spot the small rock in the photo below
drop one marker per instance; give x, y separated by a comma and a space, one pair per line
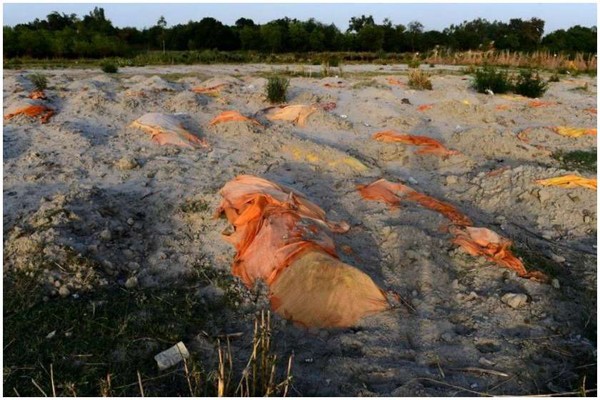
451, 180
105, 235
64, 291
574, 198
412, 180
587, 219
455, 284
131, 282
127, 163
57, 283
555, 283
133, 266
130, 221
514, 300
128, 254
557, 258
51, 335
405, 101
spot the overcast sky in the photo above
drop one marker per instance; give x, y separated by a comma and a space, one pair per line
431, 15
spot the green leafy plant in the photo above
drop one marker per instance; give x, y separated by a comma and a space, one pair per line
39, 81
489, 78
109, 68
530, 85
419, 80
276, 89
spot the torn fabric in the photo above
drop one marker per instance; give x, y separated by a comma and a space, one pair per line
427, 145
283, 238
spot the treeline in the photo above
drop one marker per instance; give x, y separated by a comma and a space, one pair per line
94, 36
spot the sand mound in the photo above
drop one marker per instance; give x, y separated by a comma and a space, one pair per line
561, 212
187, 102
489, 143
155, 84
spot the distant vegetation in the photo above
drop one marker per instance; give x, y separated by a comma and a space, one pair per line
62, 36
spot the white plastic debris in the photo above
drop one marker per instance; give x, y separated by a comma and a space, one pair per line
51, 335
171, 356
344, 116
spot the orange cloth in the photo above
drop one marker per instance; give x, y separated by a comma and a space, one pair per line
212, 91
425, 107
475, 241
282, 238
296, 113
37, 95
31, 109
383, 190
569, 181
230, 116
427, 144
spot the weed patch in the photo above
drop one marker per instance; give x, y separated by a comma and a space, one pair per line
276, 89
580, 160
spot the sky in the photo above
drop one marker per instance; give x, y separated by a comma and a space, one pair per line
434, 16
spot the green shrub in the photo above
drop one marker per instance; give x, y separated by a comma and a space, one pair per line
414, 63
530, 85
39, 81
109, 67
580, 160
419, 80
492, 79
276, 89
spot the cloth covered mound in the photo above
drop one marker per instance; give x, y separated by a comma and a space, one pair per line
297, 113
427, 144
473, 240
31, 108
231, 116
283, 238
167, 129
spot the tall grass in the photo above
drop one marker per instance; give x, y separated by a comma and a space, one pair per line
578, 62
539, 59
259, 377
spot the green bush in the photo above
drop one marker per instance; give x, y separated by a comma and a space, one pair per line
39, 81
492, 79
530, 85
276, 89
109, 68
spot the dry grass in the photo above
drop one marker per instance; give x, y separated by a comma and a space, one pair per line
538, 59
419, 80
259, 375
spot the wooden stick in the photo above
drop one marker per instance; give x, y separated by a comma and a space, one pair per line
52, 381
140, 384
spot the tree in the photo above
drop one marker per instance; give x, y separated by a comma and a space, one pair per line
162, 24
415, 29
357, 23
